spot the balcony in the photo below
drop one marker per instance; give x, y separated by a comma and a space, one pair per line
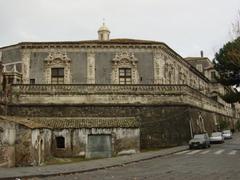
94, 94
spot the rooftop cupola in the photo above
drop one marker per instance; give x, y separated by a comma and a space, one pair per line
103, 33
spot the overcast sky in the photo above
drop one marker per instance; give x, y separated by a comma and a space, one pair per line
187, 26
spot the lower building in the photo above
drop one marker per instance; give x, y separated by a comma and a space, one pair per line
33, 141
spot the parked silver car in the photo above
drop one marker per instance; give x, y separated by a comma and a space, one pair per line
217, 137
227, 134
199, 141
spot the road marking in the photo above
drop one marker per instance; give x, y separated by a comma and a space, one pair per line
205, 152
233, 152
194, 152
219, 151
182, 152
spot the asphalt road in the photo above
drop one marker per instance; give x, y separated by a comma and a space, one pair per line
221, 161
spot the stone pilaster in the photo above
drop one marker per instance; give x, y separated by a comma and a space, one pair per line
25, 66
158, 68
90, 68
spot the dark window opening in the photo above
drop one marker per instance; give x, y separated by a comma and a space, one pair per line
125, 76
32, 81
57, 76
60, 141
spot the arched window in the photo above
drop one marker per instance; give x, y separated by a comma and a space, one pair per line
60, 142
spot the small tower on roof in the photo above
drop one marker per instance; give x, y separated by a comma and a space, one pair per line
103, 33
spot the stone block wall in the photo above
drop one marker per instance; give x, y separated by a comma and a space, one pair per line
23, 146
41, 144
62, 152
160, 125
3, 156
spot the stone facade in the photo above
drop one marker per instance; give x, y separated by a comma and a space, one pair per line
65, 98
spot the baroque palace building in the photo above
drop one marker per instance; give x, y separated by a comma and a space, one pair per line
102, 98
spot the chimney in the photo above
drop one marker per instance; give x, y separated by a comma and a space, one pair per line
201, 52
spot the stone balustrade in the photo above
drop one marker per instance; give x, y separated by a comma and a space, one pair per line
96, 89
111, 94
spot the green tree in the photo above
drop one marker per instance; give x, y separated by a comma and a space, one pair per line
227, 63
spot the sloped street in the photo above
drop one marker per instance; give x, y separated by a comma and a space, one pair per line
221, 161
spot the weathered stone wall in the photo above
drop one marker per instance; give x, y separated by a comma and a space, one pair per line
145, 67
62, 152
115, 94
103, 67
161, 125
11, 55
7, 156
41, 143
78, 67
23, 145
37, 67
7, 144
3, 156
124, 140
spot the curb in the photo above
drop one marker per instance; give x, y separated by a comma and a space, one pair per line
91, 169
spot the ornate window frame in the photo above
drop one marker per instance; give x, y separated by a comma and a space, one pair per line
124, 60
57, 59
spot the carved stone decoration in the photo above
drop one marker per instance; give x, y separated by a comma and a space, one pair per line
169, 73
124, 59
57, 59
91, 68
159, 61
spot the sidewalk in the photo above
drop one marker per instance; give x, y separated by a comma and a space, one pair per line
85, 166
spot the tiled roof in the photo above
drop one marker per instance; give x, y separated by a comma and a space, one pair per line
22, 121
74, 122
